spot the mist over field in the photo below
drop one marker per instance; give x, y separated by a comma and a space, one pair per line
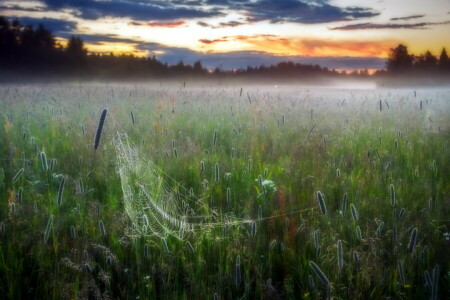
224, 149
198, 190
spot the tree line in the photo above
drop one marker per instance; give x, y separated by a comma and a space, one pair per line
400, 61
29, 51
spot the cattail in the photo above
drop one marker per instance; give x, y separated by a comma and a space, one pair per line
61, 190
318, 251
228, 195
83, 130
2, 228
98, 134
412, 240
379, 230
52, 164
215, 138
73, 234
175, 152
238, 270
344, 204
18, 175
396, 143
401, 213
132, 117
311, 282
356, 256
321, 198
249, 165
355, 215
428, 279
216, 173
44, 163
202, 166
392, 189
434, 287
272, 244
48, 229
87, 268
101, 226
358, 233
338, 173
316, 237
340, 255
319, 273
394, 234
146, 251
260, 181
253, 232
401, 273
109, 261
85, 254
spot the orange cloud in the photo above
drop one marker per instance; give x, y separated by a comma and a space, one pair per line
315, 47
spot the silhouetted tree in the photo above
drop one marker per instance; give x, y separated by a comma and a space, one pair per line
76, 51
399, 59
426, 62
444, 62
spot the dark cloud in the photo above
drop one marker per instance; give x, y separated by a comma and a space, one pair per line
99, 39
308, 12
222, 24
203, 24
53, 25
231, 24
423, 25
159, 24
19, 8
137, 10
408, 17
275, 11
209, 42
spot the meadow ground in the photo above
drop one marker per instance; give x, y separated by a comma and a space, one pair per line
223, 192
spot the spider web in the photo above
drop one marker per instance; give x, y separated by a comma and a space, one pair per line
157, 208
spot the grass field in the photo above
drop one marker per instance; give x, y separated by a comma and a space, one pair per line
223, 192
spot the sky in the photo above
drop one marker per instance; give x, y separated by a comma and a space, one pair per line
339, 34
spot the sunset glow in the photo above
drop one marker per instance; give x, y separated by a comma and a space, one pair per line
288, 28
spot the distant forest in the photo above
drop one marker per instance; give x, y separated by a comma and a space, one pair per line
33, 52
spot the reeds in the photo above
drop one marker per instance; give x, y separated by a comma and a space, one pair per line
354, 211
340, 255
48, 229
101, 123
323, 207
412, 240
61, 191
238, 277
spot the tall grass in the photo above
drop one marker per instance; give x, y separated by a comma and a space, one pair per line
375, 230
